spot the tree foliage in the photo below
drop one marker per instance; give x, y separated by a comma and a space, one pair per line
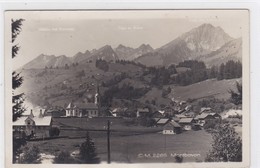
17, 99
17, 143
226, 146
229, 70
16, 28
126, 91
63, 157
87, 151
54, 131
30, 154
236, 97
102, 64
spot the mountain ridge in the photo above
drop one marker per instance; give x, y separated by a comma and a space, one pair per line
200, 43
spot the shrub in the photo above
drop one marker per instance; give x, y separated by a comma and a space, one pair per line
63, 157
226, 146
87, 151
30, 154
54, 131
211, 124
178, 159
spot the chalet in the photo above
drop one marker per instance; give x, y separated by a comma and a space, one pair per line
172, 128
187, 123
205, 117
31, 125
82, 110
216, 116
142, 112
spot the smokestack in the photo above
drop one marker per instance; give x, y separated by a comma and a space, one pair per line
31, 114
40, 115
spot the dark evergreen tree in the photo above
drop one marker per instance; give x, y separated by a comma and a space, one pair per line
88, 151
17, 79
221, 72
236, 97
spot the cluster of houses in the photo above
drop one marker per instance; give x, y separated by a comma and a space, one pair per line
173, 122
186, 121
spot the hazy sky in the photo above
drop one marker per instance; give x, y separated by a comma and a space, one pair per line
69, 32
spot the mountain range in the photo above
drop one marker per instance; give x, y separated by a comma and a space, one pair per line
206, 42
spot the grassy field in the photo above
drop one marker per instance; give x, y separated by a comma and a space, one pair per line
211, 87
149, 147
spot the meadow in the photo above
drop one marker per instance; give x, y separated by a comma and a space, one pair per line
130, 147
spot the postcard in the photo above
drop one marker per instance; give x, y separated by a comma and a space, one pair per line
127, 88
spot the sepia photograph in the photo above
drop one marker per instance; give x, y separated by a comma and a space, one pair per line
127, 87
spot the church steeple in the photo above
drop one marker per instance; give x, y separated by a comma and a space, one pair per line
97, 95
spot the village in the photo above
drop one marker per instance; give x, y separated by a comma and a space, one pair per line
169, 120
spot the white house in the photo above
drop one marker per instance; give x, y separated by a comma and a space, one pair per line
82, 110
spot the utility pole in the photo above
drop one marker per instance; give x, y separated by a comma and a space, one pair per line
108, 141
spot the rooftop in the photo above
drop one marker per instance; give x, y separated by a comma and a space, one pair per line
39, 121
162, 121
186, 120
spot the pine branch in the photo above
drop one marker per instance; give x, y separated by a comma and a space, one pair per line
16, 28
17, 80
15, 50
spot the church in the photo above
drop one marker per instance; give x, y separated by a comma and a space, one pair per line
84, 109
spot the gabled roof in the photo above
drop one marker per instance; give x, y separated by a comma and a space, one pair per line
86, 105
39, 121
214, 114
171, 124
186, 120
203, 116
118, 110
175, 124
180, 116
20, 121
44, 121
205, 109
162, 121
70, 105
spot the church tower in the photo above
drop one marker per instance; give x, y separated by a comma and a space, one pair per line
97, 96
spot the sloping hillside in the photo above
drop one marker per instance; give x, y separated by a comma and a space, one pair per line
230, 51
212, 87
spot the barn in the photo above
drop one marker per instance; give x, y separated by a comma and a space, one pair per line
172, 128
34, 126
187, 123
